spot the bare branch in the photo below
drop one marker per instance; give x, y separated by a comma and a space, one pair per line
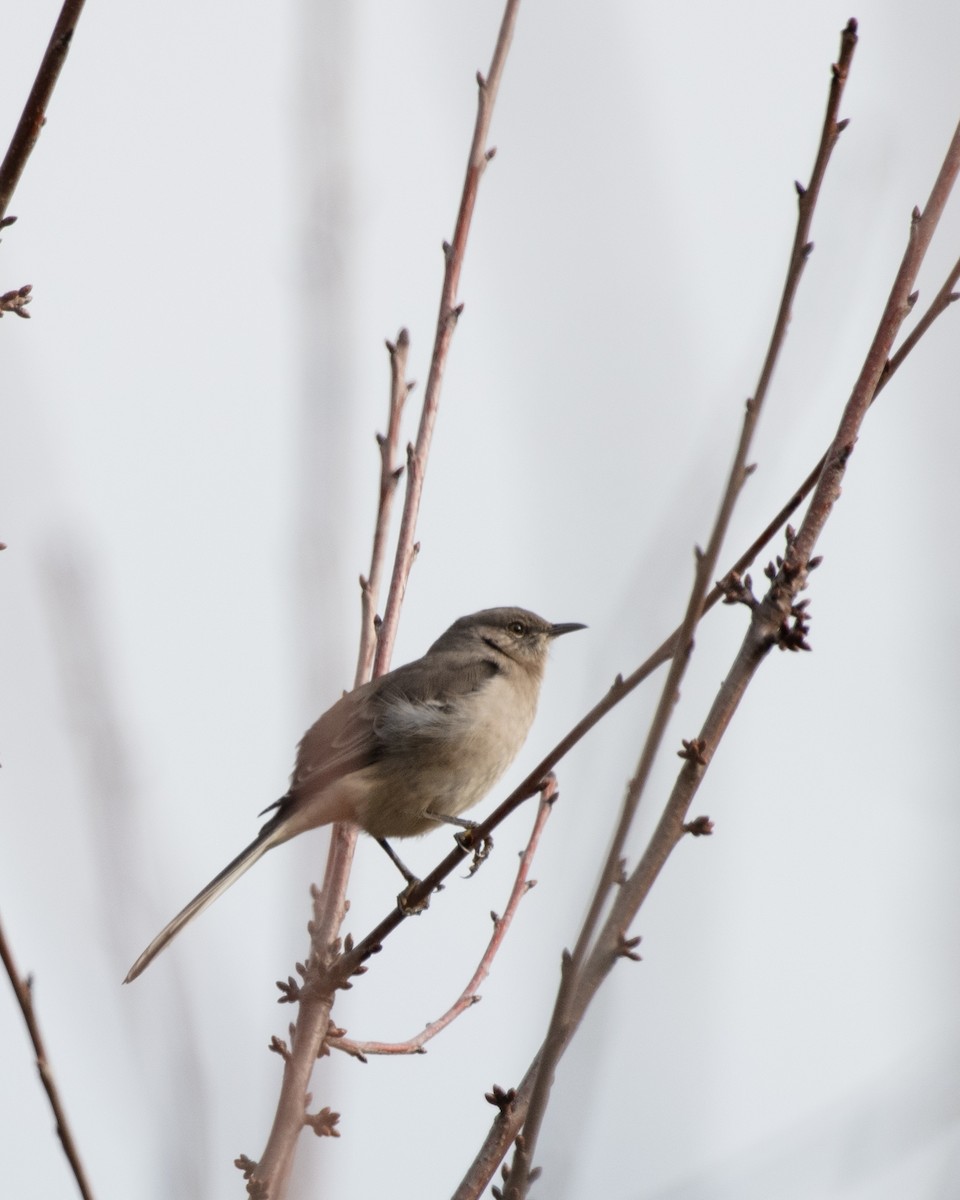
23, 990
390, 472
501, 924
313, 1017
899, 304
446, 323
35, 111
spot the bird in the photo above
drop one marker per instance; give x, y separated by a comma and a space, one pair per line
407, 751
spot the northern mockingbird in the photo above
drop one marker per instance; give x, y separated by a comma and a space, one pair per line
414, 748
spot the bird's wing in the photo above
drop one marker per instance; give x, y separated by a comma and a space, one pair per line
436, 681
337, 743
349, 736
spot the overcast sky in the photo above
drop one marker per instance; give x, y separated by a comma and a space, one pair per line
231, 206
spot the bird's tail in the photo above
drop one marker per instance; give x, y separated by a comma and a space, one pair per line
265, 840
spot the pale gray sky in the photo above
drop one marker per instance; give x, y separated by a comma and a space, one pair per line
792, 1029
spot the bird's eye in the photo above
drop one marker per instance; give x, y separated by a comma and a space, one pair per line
518, 628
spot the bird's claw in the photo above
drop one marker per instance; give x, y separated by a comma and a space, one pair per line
480, 851
407, 905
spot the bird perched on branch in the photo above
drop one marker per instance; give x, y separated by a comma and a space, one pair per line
410, 750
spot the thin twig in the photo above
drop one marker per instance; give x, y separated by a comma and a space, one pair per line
35, 111
447, 317
501, 925
899, 304
390, 472
23, 990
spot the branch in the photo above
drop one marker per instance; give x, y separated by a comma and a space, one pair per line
447, 318
35, 111
469, 996
899, 304
23, 989
390, 472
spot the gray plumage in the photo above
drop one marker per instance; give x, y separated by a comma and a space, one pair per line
401, 754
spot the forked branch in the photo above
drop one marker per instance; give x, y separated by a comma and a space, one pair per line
501, 925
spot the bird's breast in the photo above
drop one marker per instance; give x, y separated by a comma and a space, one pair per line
444, 756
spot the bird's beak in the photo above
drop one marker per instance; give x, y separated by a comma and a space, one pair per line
569, 627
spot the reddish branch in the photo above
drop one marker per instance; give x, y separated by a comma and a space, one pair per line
899, 304
501, 924
453, 253
308, 1032
390, 472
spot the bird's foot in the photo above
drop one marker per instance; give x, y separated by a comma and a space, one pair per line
467, 840
409, 906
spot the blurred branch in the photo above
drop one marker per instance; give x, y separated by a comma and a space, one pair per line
35, 111
23, 989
